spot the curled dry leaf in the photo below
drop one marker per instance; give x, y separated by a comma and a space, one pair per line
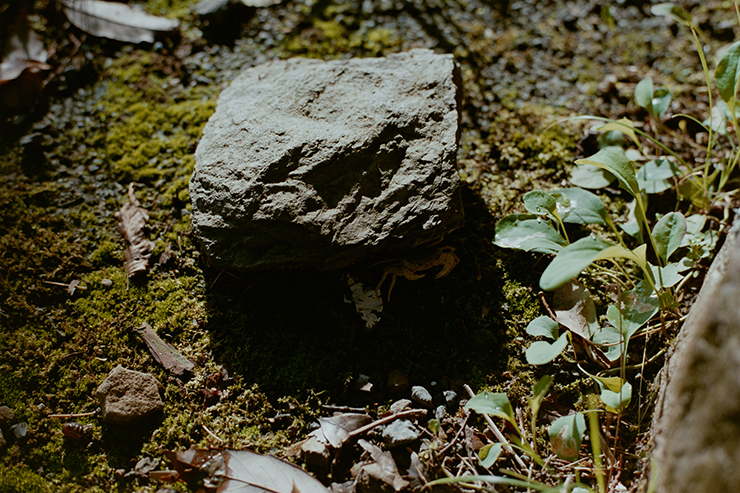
131, 221
243, 470
337, 429
116, 21
22, 64
166, 355
382, 469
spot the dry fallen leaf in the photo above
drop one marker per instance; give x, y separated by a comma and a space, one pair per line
383, 469
245, 471
337, 429
116, 21
22, 64
166, 355
131, 221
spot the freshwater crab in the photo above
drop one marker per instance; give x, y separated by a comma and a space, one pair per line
419, 261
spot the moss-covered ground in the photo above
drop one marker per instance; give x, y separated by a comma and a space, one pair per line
289, 341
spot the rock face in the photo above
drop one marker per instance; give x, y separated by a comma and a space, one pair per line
318, 164
696, 427
128, 396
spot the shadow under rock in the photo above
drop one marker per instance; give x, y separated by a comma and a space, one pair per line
290, 331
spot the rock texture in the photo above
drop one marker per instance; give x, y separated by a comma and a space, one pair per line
127, 396
318, 164
696, 428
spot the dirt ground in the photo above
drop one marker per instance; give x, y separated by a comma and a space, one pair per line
271, 348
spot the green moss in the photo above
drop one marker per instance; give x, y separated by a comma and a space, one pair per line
21, 480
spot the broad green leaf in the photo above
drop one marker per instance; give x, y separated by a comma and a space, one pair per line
540, 203
661, 101
656, 175
623, 125
632, 227
488, 455
543, 326
675, 12
539, 391
574, 258
726, 75
575, 309
542, 352
639, 306
614, 161
670, 275
695, 223
566, 434
493, 404
615, 394
668, 234
644, 94
587, 176
528, 232
718, 118
610, 341
579, 206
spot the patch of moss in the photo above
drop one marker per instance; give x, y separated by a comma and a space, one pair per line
21, 480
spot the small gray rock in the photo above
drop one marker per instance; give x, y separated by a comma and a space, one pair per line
421, 396
440, 412
450, 399
400, 405
19, 430
128, 396
399, 433
319, 164
7, 417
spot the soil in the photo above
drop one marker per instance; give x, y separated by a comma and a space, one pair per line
271, 348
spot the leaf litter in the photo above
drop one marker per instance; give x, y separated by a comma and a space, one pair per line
131, 221
117, 21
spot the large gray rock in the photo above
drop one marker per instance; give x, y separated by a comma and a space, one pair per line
127, 396
696, 427
318, 164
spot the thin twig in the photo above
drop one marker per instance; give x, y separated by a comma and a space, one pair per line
497, 433
211, 433
64, 285
411, 413
75, 415
343, 409
457, 435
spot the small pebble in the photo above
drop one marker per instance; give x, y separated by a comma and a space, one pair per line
20, 430
440, 412
399, 433
7, 417
450, 398
106, 283
400, 405
421, 396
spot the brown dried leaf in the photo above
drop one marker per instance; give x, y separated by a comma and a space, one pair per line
23, 51
131, 221
166, 355
116, 21
336, 430
382, 470
244, 470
